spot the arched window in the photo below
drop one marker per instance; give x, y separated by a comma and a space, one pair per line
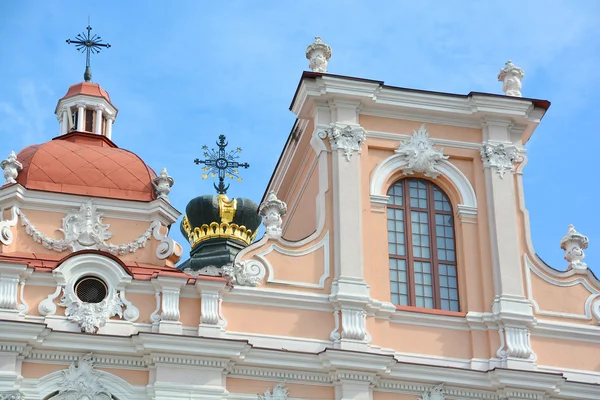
421, 246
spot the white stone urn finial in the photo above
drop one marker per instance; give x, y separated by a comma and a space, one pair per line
573, 244
319, 54
11, 167
272, 209
162, 184
511, 77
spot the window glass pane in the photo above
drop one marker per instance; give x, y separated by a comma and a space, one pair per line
423, 284
448, 287
418, 193
420, 234
441, 202
398, 284
395, 193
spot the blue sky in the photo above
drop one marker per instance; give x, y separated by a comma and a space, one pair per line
183, 72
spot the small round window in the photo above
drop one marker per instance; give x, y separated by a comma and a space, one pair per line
90, 289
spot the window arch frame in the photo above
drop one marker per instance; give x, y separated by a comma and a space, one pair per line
449, 267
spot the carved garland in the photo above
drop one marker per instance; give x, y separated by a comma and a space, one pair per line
83, 229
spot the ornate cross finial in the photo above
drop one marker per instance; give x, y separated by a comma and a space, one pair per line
222, 164
87, 43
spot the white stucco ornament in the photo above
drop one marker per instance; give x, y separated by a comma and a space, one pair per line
6, 235
499, 157
82, 382
435, 393
162, 184
243, 273
420, 155
279, 392
573, 243
13, 395
11, 167
91, 316
319, 54
272, 209
511, 77
83, 229
348, 139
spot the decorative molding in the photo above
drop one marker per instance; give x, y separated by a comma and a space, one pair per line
335, 335
319, 54
272, 209
47, 306
323, 243
435, 393
436, 141
382, 172
155, 316
22, 307
499, 157
131, 312
588, 309
420, 155
167, 249
14, 395
10, 277
162, 185
91, 316
511, 77
514, 342
11, 167
348, 139
279, 392
573, 243
354, 324
83, 229
244, 273
6, 235
82, 381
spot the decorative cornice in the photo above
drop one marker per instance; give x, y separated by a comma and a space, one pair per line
420, 155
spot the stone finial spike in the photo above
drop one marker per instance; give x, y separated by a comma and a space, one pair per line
11, 167
573, 243
162, 185
319, 54
272, 209
511, 77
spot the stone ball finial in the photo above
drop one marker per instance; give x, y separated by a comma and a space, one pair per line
11, 167
319, 54
511, 77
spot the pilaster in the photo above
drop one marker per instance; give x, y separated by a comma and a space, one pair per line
170, 289
511, 309
350, 292
80, 116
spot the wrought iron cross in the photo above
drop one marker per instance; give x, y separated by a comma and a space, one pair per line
221, 163
90, 44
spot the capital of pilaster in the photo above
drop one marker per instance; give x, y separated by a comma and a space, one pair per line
499, 157
348, 139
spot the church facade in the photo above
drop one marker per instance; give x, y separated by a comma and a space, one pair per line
396, 261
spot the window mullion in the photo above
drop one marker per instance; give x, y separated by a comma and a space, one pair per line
433, 248
412, 300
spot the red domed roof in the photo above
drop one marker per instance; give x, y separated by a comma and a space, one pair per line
87, 88
86, 164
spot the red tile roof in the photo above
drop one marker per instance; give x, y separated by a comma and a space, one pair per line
86, 164
87, 88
